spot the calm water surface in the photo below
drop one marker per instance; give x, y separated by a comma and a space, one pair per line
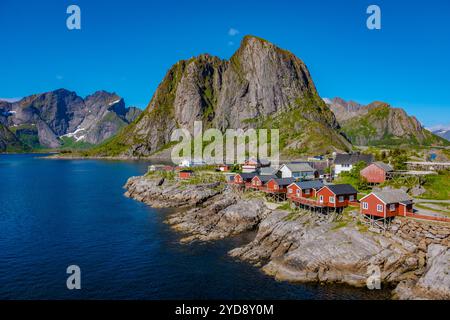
55, 213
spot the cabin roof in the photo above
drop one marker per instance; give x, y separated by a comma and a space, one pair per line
299, 167
265, 171
247, 176
284, 181
393, 196
309, 184
345, 158
342, 189
266, 178
386, 167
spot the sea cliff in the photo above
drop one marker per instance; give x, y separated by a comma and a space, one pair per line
299, 246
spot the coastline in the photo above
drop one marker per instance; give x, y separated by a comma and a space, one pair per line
305, 247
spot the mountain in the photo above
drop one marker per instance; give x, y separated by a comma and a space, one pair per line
57, 118
443, 133
380, 124
260, 86
9, 142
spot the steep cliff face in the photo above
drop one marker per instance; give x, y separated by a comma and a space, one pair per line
260, 86
51, 119
380, 124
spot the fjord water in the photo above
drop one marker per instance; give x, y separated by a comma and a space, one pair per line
56, 213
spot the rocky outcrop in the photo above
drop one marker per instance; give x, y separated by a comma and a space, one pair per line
412, 257
260, 86
380, 124
212, 211
43, 120
435, 282
160, 193
302, 250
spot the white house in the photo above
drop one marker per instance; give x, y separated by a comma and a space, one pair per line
297, 170
344, 162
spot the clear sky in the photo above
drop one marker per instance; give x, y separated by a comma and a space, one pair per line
127, 46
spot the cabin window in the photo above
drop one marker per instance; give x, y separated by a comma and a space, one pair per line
321, 198
290, 191
298, 192
379, 208
392, 207
365, 205
331, 199
275, 187
351, 198
307, 191
341, 199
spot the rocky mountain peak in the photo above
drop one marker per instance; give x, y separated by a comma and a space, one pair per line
43, 120
259, 82
378, 123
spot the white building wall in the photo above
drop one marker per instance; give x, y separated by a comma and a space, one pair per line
338, 168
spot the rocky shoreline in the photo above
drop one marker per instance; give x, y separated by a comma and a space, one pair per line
413, 257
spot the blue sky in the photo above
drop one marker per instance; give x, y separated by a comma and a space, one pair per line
127, 46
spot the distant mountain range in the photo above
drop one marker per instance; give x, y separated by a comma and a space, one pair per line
61, 118
260, 86
379, 124
444, 133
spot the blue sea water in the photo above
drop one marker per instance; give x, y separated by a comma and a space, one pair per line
56, 213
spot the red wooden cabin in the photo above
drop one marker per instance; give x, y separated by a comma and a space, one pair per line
337, 195
185, 174
377, 172
278, 185
305, 189
386, 204
259, 182
243, 178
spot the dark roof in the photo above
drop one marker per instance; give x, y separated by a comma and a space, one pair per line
284, 181
353, 158
384, 166
310, 184
341, 189
247, 176
267, 178
187, 171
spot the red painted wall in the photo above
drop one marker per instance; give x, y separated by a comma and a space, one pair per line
327, 193
271, 187
185, 175
373, 174
294, 189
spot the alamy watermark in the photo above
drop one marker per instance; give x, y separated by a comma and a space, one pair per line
232, 147
73, 22
74, 280
374, 280
374, 20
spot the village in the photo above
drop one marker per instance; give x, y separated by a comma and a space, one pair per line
321, 185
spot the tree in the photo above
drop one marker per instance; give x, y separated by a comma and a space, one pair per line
356, 169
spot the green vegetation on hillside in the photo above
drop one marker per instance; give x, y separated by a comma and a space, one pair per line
371, 129
304, 129
354, 178
437, 186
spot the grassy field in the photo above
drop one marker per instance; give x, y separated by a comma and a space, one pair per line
437, 186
